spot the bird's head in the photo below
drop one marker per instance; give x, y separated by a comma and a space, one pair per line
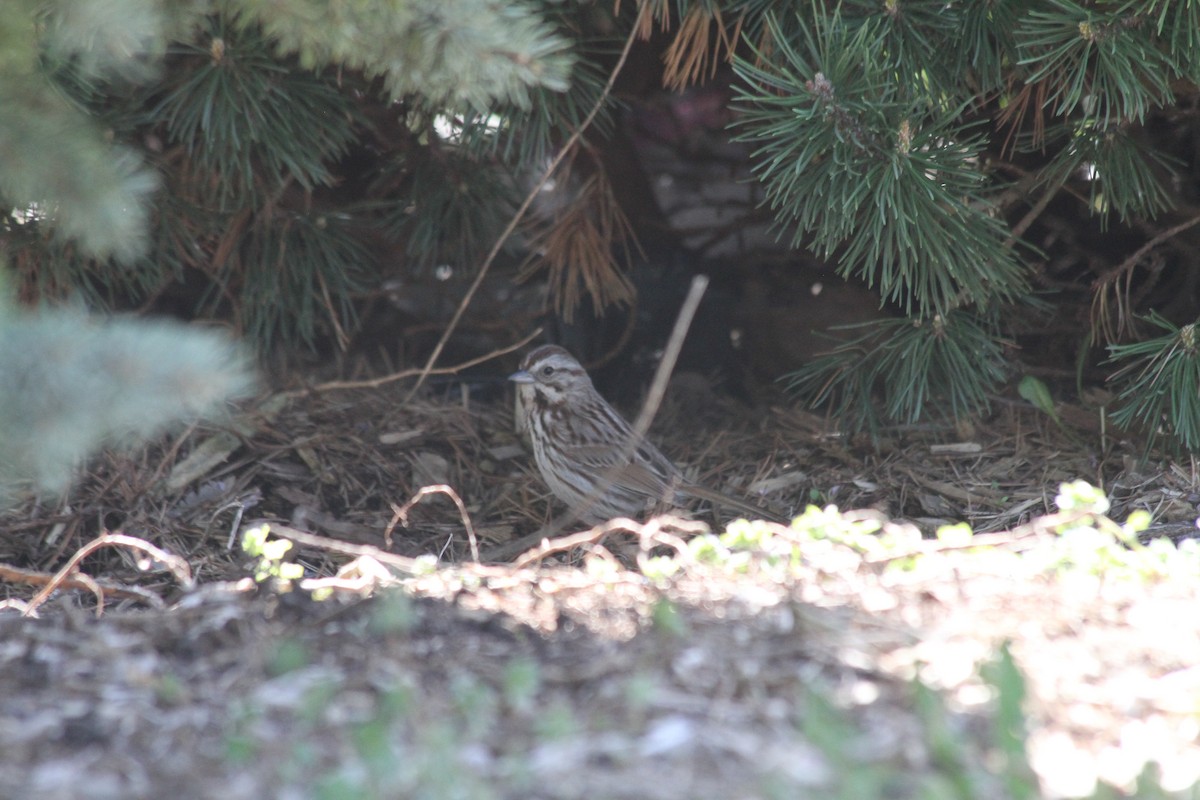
549, 375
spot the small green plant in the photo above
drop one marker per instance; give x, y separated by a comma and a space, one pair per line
287, 655
1089, 541
745, 544
1082, 496
957, 770
948, 750
958, 534
393, 612
667, 619
1038, 394
1086, 540
270, 554
240, 749
1036, 391
1009, 729
832, 731
830, 525
557, 721
475, 702
522, 681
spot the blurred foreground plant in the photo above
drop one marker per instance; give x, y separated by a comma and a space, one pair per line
72, 384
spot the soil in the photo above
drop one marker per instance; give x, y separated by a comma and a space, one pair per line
578, 670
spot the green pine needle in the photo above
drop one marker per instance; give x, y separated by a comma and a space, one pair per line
885, 181
945, 368
468, 53
1105, 62
1157, 384
252, 122
292, 267
451, 208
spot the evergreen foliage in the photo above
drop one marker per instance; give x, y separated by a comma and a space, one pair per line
95, 195
874, 172
268, 151
448, 205
248, 123
1157, 383
453, 52
251, 117
874, 128
148, 141
948, 360
73, 383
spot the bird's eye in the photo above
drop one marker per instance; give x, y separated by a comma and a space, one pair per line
547, 370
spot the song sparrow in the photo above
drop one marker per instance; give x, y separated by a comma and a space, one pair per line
582, 447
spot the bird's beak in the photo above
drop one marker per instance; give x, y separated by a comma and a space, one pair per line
521, 376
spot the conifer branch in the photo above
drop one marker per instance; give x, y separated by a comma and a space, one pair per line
1106, 322
73, 384
576, 249
693, 54
524, 207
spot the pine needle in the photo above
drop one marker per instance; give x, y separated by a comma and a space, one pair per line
577, 250
703, 40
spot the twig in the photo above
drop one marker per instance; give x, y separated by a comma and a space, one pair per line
649, 534
409, 565
176, 565
1030, 217
1125, 269
658, 386
339, 333
422, 372
545, 546
400, 515
17, 603
1141, 252
524, 207
975, 542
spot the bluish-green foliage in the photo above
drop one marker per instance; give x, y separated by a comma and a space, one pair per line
73, 383
229, 144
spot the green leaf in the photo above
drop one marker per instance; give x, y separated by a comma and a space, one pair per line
1036, 392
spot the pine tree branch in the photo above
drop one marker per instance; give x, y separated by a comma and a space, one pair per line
374, 383
1111, 280
693, 55
74, 384
576, 249
453, 52
523, 208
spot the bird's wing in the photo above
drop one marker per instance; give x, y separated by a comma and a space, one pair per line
645, 469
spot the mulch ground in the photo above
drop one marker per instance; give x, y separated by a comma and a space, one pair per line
572, 674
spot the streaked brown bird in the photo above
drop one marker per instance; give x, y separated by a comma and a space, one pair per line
582, 447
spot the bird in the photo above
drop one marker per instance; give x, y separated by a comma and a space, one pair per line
589, 455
